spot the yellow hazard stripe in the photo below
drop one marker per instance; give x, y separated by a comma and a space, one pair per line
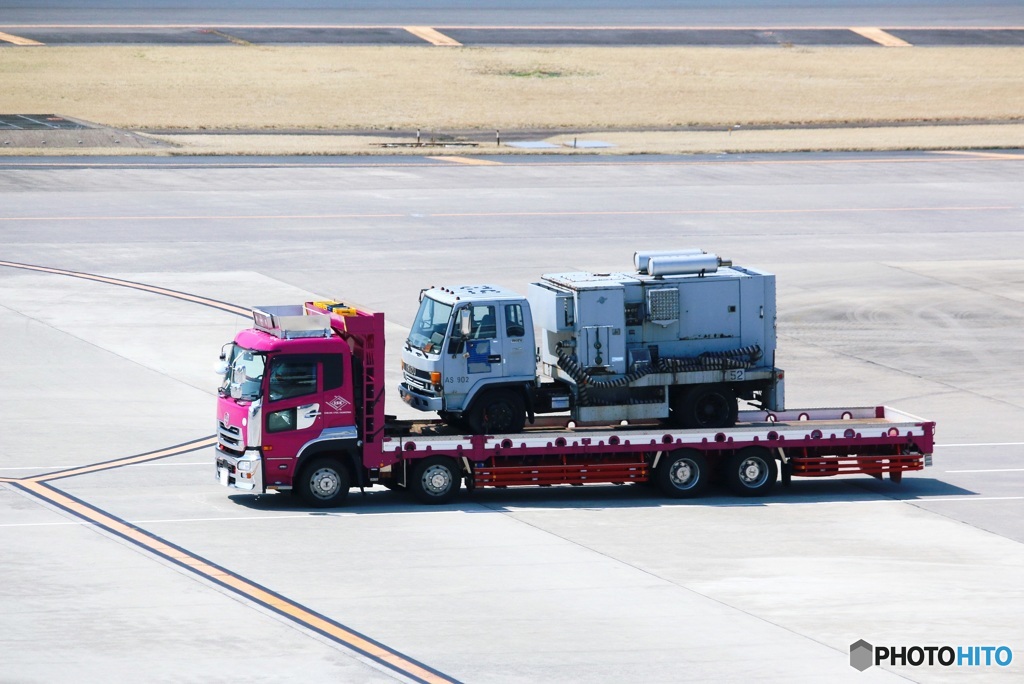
17, 40
246, 588
879, 36
432, 36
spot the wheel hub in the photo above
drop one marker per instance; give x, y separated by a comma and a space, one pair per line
437, 480
325, 483
751, 471
682, 473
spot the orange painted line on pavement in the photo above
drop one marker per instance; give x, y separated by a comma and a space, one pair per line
223, 306
432, 36
17, 40
239, 585
879, 36
194, 445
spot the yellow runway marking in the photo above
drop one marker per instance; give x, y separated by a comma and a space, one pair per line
239, 585
223, 306
36, 486
468, 160
17, 40
880, 36
432, 36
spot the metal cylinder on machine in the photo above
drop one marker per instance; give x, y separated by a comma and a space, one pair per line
684, 264
641, 260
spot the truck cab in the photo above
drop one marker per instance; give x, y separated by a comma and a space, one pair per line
470, 357
287, 396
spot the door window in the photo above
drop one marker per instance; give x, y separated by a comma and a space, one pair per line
292, 378
514, 326
484, 325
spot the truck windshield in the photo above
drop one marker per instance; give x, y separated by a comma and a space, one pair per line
427, 332
244, 373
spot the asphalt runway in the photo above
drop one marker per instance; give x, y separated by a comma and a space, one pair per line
519, 13
900, 283
222, 34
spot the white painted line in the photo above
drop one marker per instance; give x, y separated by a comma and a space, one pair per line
992, 470
130, 465
979, 444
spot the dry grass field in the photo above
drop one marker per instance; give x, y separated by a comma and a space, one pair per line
392, 90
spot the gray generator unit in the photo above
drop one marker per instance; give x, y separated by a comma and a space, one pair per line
687, 332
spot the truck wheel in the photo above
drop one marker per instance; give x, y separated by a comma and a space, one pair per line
497, 412
706, 406
682, 474
435, 480
323, 483
751, 471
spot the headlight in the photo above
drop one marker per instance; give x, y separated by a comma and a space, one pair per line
245, 466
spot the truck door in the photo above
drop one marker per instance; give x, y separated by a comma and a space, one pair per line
480, 358
519, 358
293, 413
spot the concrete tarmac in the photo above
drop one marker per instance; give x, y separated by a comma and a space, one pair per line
899, 283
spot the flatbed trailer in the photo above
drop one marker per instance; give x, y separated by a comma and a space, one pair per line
333, 434
875, 441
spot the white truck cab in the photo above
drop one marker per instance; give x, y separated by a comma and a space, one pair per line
470, 356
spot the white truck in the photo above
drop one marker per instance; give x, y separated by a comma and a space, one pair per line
682, 338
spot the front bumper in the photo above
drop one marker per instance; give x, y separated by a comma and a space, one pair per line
239, 472
420, 400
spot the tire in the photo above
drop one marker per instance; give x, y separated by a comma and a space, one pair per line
682, 474
324, 483
497, 412
705, 406
751, 471
435, 480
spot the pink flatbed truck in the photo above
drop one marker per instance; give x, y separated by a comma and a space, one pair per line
301, 409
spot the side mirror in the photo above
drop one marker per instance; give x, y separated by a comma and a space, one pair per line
465, 321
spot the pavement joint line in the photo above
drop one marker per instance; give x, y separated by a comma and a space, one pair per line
520, 214
432, 36
981, 155
469, 160
176, 450
980, 444
205, 301
14, 161
879, 36
17, 40
248, 590
989, 470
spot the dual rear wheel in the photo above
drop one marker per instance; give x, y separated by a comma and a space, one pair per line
684, 473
